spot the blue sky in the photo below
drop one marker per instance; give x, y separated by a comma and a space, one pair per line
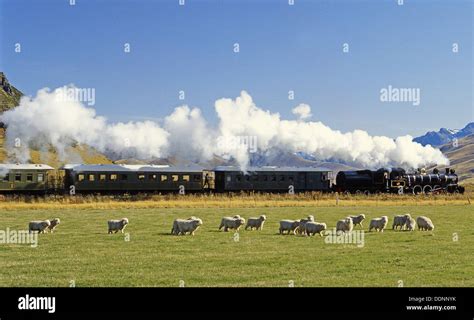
282, 48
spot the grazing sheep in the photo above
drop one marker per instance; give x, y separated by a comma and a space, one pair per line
117, 225
39, 226
311, 228
256, 223
400, 221
410, 224
54, 224
378, 224
345, 225
424, 223
357, 220
181, 226
289, 225
301, 228
234, 222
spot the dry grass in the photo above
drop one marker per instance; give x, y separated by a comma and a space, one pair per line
143, 201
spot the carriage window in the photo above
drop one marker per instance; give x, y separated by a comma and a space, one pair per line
113, 177
265, 178
6, 177
247, 178
123, 177
282, 178
174, 177
102, 177
197, 177
40, 177
323, 177
29, 177
80, 177
290, 179
91, 177
229, 178
186, 177
164, 178
239, 178
152, 176
141, 176
255, 178
274, 178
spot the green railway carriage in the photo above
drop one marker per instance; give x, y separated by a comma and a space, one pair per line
272, 179
115, 178
31, 178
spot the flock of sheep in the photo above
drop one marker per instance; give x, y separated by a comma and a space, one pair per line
307, 226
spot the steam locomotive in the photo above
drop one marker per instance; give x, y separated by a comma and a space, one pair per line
120, 178
397, 180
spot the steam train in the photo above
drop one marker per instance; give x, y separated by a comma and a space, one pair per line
121, 178
397, 181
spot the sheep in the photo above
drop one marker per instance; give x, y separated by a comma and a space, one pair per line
424, 223
39, 226
345, 225
301, 227
357, 220
311, 228
289, 225
234, 222
54, 224
400, 221
410, 224
117, 225
256, 223
378, 224
181, 226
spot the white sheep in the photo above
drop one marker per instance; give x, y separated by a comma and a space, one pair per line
234, 222
301, 227
410, 224
117, 225
54, 224
289, 225
311, 228
424, 223
39, 226
181, 226
400, 221
357, 220
256, 223
378, 224
345, 225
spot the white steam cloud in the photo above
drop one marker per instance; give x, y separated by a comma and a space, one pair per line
185, 134
303, 111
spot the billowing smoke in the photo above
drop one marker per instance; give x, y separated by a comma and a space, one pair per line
242, 128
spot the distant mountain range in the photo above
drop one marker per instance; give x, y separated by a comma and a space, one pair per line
444, 136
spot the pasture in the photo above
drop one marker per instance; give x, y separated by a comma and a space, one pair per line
81, 253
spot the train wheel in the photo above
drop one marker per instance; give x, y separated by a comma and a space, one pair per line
367, 192
417, 189
358, 192
427, 189
347, 193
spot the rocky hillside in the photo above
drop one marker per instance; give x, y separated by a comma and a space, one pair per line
9, 95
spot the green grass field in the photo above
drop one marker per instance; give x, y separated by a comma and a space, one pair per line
81, 250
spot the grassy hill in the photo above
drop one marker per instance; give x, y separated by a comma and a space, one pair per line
462, 158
